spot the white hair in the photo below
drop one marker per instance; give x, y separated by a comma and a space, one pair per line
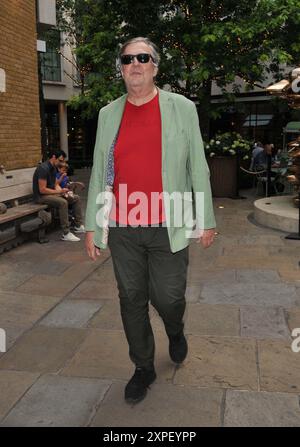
154, 50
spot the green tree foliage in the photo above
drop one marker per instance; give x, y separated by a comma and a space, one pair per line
200, 41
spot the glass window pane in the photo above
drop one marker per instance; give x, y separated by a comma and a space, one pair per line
51, 60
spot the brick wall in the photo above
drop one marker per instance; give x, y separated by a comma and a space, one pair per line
20, 144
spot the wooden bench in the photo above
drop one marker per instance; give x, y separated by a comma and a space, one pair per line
16, 194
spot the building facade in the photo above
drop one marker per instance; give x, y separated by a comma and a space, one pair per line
20, 142
58, 76
64, 127
255, 114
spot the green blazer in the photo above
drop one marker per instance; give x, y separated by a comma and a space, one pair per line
184, 167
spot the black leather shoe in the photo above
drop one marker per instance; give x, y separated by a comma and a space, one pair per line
178, 348
136, 388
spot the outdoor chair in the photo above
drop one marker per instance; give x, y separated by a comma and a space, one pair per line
260, 179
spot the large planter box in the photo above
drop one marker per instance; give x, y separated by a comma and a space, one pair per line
223, 176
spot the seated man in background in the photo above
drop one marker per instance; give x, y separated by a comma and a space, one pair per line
260, 156
46, 190
258, 148
260, 162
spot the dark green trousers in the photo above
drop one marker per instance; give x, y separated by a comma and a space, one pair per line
146, 270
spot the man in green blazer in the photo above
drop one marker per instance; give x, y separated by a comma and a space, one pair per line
149, 194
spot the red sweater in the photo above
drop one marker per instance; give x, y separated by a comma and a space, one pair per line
137, 165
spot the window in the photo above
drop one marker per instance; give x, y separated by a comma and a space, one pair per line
52, 126
51, 60
257, 120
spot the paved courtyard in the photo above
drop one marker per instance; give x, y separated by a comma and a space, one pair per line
67, 358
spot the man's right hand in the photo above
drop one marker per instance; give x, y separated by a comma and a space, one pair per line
91, 249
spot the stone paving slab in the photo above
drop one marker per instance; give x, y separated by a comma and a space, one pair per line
42, 266
279, 366
32, 251
66, 283
204, 254
104, 274
10, 279
268, 262
13, 332
13, 384
253, 409
24, 309
104, 257
263, 322
164, 406
229, 204
293, 318
196, 250
43, 349
94, 290
66, 256
257, 276
81, 270
197, 277
292, 251
204, 319
200, 266
289, 274
260, 240
108, 317
207, 319
192, 293
56, 401
247, 250
224, 240
58, 288
108, 263
262, 294
71, 313
104, 354
231, 229
79, 254
240, 217
220, 362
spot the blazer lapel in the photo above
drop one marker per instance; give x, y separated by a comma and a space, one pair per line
116, 117
166, 108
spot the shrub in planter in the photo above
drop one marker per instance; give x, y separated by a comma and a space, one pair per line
225, 153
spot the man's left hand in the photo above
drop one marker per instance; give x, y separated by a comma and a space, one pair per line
207, 237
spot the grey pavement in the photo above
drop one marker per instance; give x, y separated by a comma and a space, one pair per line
66, 361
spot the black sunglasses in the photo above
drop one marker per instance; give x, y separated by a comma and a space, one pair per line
143, 58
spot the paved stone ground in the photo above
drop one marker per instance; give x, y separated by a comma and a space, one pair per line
67, 362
